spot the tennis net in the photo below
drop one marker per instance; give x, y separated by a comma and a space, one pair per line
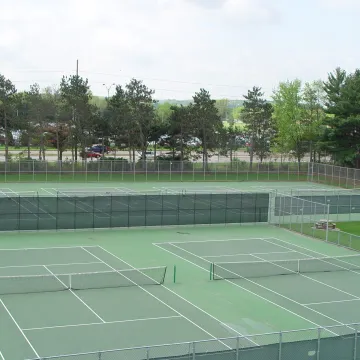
81, 281
254, 269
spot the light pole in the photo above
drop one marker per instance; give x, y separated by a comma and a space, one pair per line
108, 88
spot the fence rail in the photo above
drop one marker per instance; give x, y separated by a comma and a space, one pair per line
121, 170
325, 343
334, 175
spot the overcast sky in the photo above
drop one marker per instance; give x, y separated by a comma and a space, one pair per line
178, 46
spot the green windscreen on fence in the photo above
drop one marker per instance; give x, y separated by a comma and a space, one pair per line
82, 212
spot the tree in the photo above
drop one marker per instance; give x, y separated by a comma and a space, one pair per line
314, 98
141, 112
291, 119
120, 120
207, 123
163, 111
224, 111
7, 92
179, 130
342, 134
257, 116
76, 96
236, 113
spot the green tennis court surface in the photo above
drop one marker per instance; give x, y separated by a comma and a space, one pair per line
74, 292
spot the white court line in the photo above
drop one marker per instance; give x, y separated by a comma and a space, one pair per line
93, 311
325, 256
23, 206
331, 302
155, 297
308, 277
76, 203
37, 265
242, 254
41, 209
22, 332
216, 240
48, 248
245, 289
105, 323
1, 356
273, 291
48, 191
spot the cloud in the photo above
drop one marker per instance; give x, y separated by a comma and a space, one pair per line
175, 46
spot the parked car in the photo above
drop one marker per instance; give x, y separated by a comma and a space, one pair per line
99, 149
90, 155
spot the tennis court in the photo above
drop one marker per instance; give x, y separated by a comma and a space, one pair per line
93, 291
62, 300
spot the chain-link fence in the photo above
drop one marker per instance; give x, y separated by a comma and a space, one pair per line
344, 204
315, 219
118, 211
326, 343
122, 170
334, 175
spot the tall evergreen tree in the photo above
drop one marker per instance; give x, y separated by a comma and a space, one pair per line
207, 122
259, 124
342, 135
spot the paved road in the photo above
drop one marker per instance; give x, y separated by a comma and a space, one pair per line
51, 155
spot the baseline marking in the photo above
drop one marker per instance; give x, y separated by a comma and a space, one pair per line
268, 289
266, 253
41, 265
22, 332
48, 248
155, 297
93, 311
331, 302
243, 288
205, 241
101, 323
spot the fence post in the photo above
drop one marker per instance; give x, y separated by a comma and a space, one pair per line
99, 356
327, 220
237, 347
193, 352
46, 171
19, 168
280, 345
147, 353
355, 342
318, 345
33, 169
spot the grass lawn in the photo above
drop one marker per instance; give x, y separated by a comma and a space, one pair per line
348, 236
352, 227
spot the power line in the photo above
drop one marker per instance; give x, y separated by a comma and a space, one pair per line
142, 77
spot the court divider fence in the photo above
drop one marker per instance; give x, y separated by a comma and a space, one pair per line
324, 343
301, 215
118, 211
123, 170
